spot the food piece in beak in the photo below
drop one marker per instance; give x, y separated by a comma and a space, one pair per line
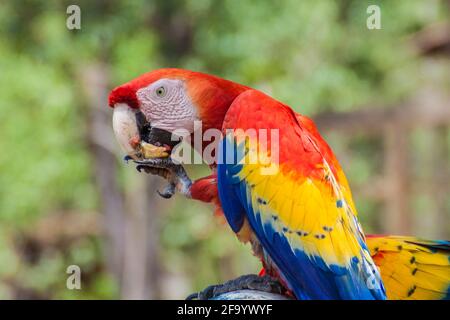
157, 143
126, 129
156, 146
150, 151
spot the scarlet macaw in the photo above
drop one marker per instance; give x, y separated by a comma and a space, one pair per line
300, 219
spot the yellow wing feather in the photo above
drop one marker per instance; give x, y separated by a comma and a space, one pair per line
411, 268
307, 209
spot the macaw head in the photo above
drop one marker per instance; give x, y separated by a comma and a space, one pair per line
170, 99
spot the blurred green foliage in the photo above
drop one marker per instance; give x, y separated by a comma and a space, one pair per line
314, 55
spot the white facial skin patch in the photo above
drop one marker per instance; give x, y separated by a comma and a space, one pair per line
166, 105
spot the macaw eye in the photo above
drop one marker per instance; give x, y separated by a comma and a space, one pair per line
161, 92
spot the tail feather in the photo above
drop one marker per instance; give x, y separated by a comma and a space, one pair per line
412, 268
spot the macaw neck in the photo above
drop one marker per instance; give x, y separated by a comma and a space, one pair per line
213, 97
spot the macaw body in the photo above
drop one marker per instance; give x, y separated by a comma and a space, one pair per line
301, 218
297, 212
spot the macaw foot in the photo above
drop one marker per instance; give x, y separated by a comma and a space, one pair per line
249, 281
174, 173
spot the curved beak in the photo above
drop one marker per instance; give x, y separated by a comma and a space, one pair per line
126, 129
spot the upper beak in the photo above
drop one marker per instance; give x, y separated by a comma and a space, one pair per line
126, 129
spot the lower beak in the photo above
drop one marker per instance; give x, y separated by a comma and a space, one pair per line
125, 128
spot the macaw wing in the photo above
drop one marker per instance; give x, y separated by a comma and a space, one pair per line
411, 268
299, 206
